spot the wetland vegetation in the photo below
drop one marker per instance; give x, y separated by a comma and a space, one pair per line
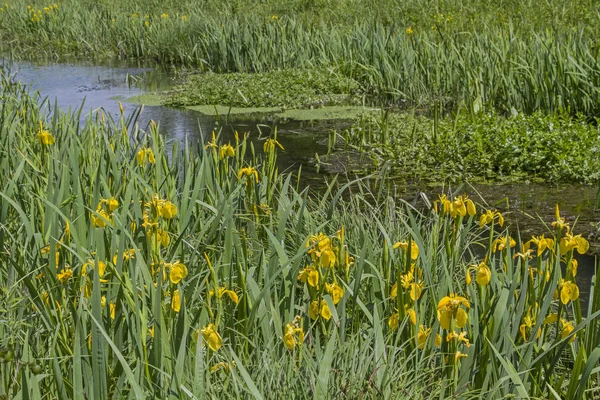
133, 269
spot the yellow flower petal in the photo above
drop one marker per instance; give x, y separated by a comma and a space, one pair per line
483, 275
445, 318
461, 318
176, 301
393, 322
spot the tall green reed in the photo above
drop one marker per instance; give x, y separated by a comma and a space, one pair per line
449, 57
97, 223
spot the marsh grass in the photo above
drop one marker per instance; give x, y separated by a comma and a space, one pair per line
524, 56
95, 302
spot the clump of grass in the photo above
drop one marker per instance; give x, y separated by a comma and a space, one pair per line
285, 89
206, 273
482, 146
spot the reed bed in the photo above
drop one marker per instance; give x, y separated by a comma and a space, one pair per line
526, 57
130, 272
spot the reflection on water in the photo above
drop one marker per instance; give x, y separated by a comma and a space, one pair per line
70, 85
586, 271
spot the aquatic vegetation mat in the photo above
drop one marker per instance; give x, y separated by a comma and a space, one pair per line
284, 89
482, 146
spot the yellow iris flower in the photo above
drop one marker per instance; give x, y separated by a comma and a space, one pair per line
225, 366
460, 337
321, 250
422, 336
459, 207
566, 329
483, 274
449, 309
101, 220
570, 242
500, 243
167, 210
212, 337
177, 271
271, 144
226, 151
542, 244
111, 203
394, 320
293, 334
310, 275
568, 291
127, 255
458, 356
224, 291
414, 248
560, 222
528, 323
336, 292
248, 173
91, 264
488, 218
64, 276
328, 258
145, 154
317, 308
45, 137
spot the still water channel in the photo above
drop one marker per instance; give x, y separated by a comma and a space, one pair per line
527, 206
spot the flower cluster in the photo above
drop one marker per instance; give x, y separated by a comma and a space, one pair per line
411, 283
459, 207
329, 263
103, 214
293, 335
37, 15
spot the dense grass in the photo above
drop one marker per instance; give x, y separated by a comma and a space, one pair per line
506, 55
481, 147
96, 222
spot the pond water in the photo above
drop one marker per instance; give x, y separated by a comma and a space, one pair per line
528, 207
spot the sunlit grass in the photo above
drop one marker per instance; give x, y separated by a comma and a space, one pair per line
527, 56
129, 272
